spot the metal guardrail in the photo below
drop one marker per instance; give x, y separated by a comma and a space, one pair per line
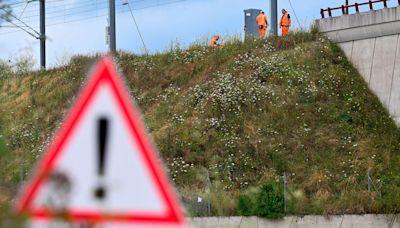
345, 8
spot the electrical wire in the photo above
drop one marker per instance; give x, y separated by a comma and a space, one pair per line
68, 21
53, 8
50, 5
8, 26
28, 1
137, 28
158, 4
70, 10
294, 12
84, 4
84, 11
10, 14
78, 10
121, 11
26, 5
24, 29
14, 3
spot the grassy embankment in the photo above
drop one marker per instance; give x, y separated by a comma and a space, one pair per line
228, 120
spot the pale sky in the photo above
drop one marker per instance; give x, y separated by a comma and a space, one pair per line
161, 24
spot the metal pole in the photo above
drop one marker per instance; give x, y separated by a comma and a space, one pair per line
21, 171
284, 190
112, 26
209, 194
347, 8
42, 35
273, 5
369, 191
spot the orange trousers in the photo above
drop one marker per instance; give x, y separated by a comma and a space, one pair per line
285, 30
262, 32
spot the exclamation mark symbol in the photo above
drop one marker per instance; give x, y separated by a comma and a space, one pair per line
100, 192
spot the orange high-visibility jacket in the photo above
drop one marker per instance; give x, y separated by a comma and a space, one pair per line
262, 20
285, 20
213, 42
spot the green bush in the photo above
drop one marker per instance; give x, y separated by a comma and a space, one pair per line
267, 202
5, 69
270, 202
245, 205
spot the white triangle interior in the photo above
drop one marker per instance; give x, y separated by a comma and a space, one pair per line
129, 183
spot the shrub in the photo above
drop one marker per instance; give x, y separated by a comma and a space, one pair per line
267, 202
245, 205
24, 64
270, 202
5, 69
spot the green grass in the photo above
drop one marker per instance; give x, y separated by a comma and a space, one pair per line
228, 121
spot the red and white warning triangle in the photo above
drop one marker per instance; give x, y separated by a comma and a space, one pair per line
101, 166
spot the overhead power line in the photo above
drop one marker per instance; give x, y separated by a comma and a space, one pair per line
26, 5
23, 29
70, 11
54, 24
137, 28
14, 3
66, 22
294, 12
83, 7
67, 17
10, 26
53, 5
65, 5
13, 16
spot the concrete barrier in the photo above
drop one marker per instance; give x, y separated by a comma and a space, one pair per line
371, 41
338, 221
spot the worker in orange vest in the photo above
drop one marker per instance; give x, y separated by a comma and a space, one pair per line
214, 42
262, 24
285, 22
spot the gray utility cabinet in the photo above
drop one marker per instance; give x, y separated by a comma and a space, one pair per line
250, 24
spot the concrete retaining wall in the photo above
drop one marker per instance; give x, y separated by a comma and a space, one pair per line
346, 221
371, 41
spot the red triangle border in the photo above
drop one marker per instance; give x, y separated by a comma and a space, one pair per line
105, 72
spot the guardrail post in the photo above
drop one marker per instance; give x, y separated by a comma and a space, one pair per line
345, 8
399, 2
